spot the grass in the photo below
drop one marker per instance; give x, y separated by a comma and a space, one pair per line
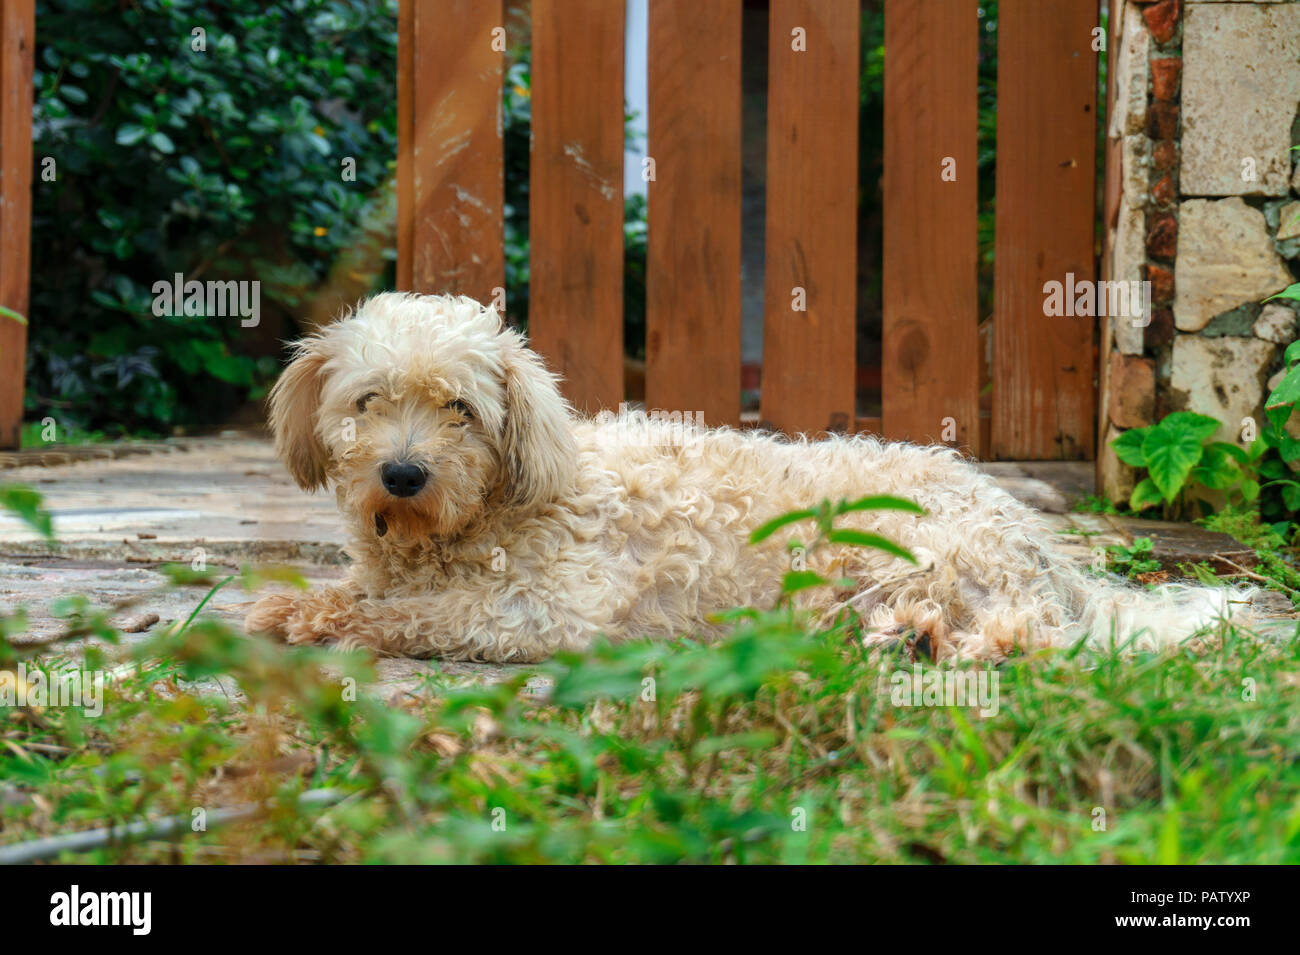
779, 745
1277, 562
784, 743
1133, 560
1094, 504
1277, 558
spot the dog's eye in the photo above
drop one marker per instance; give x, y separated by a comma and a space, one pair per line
460, 408
364, 399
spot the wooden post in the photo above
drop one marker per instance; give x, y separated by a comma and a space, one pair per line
405, 144
930, 336
458, 194
693, 268
1044, 396
809, 359
17, 39
575, 311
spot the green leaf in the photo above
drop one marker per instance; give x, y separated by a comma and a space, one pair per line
1216, 469
25, 504
1249, 490
183, 575
129, 134
1128, 447
879, 502
162, 142
1171, 453
1291, 497
1145, 495
765, 531
1238, 454
1277, 417
1287, 391
1200, 425
797, 580
235, 369
1273, 468
865, 539
251, 578
1291, 292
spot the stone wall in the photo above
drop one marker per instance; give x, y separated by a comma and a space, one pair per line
1206, 95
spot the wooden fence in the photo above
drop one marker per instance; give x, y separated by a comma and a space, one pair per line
450, 206
17, 40
450, 170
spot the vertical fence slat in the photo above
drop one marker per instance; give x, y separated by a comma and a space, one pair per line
930, 334
576, 195
1044, 402
458, 233
17, 39
812, 178
693, 254
405, 143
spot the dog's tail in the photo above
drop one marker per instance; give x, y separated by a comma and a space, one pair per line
1114, 613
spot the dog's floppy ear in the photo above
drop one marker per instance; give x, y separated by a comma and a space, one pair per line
294, 402
540, 453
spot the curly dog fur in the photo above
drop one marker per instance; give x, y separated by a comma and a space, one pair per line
536, 530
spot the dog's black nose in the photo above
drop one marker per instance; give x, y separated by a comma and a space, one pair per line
402, 480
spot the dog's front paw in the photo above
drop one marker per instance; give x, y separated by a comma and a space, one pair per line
899, 637
271, 614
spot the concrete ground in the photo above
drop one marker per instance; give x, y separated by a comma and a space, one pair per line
119, 514
225, 500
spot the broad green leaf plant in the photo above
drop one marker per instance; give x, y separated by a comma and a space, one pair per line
1278, 409
1183, 464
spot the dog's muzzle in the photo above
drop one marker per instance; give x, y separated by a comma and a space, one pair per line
401, 479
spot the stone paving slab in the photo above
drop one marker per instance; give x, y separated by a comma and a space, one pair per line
119, 517
229, 496
33, 583
1175, 544
1051, 486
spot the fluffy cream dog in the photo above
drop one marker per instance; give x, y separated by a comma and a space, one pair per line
488, 522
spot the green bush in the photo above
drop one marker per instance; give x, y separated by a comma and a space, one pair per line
216, 154
223, 163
